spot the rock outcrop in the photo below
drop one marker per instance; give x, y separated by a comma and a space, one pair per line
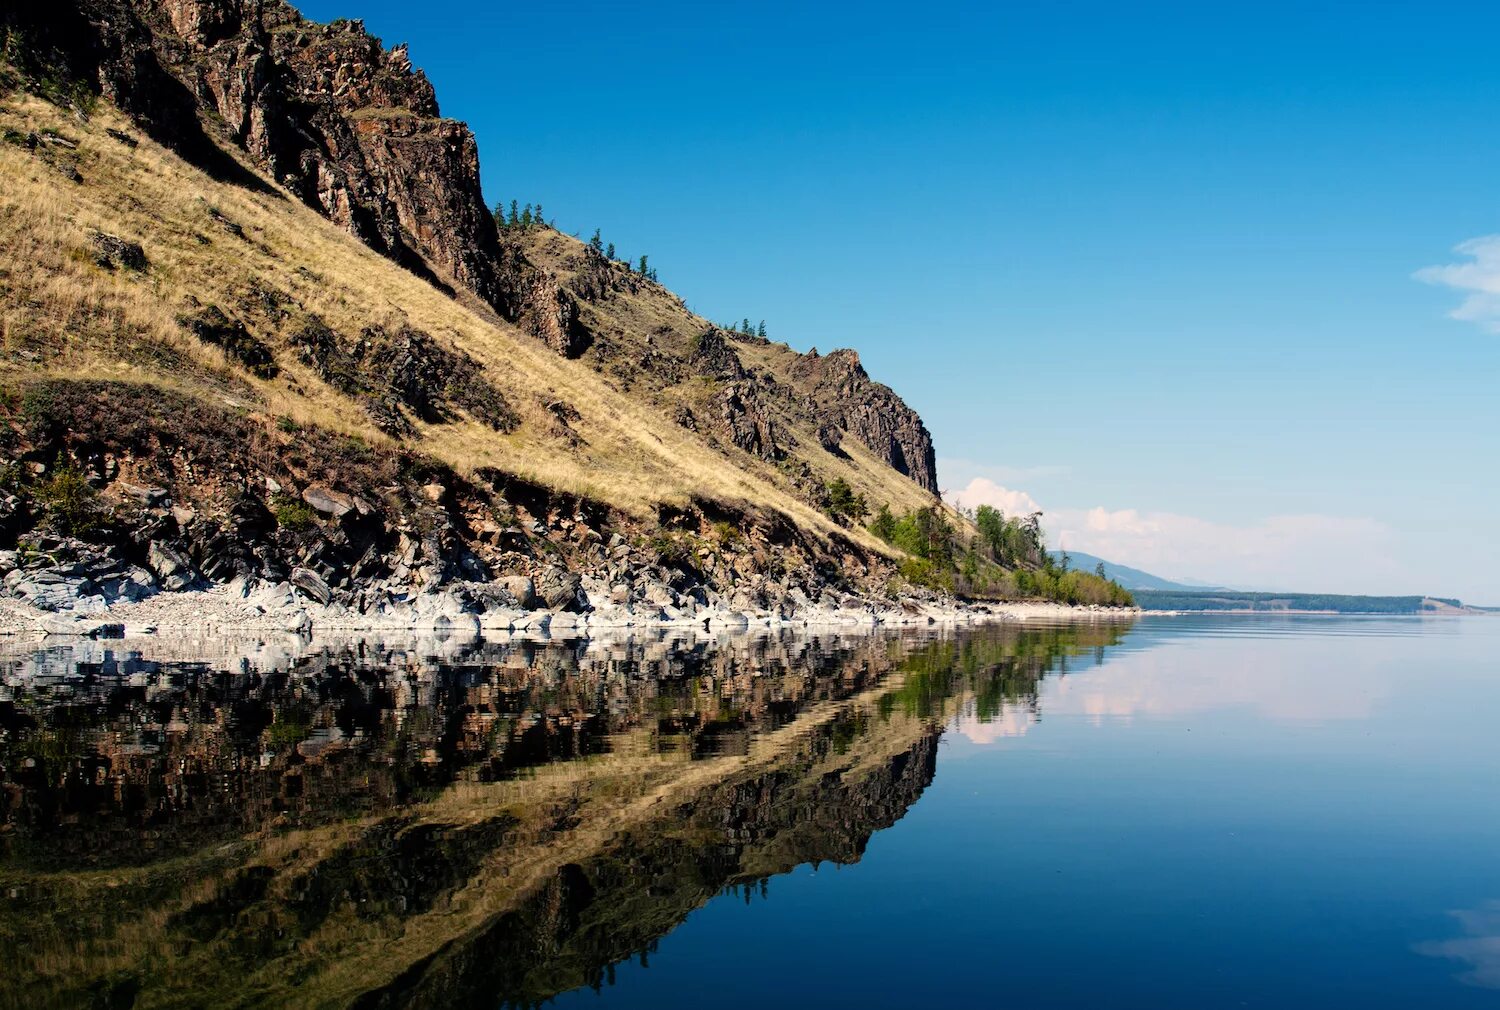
178, 496
843, 395
350, 128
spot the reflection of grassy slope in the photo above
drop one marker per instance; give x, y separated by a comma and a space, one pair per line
561, 873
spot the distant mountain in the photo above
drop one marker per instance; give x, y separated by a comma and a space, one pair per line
1130, 578
1234, 601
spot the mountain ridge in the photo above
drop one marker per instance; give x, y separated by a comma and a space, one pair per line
1131, 578
254, 360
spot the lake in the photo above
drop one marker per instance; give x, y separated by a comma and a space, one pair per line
1245, 811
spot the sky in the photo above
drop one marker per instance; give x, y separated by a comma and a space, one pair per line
1211, 285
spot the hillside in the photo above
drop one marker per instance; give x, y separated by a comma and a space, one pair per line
259, 329
250, 293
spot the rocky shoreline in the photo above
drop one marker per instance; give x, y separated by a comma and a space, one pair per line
60, 586
251, 606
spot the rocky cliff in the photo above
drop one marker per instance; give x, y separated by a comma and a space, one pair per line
842, 397
350, 128
204, 382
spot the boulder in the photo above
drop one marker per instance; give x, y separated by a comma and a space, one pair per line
150, 497
520, 589
328, 502
170, 566
112, 251
561, 589
311, 585
59, 587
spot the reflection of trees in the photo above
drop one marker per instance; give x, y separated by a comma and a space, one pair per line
500, 824
993, 670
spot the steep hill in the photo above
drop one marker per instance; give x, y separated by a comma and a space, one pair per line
256, 321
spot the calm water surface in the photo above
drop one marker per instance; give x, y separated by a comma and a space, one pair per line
1179, 812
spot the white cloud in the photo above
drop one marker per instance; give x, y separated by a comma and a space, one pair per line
1011, 721
1311, 553
983, 491
1479, 279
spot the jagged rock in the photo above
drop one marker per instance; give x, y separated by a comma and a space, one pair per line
328, 502
127, 583
311, 584
712, 356
54, 588
112, 251
210, 325
352, 130
542, 308
561, 589
170, 566
150, 497
842, 395
746, 423
659, 595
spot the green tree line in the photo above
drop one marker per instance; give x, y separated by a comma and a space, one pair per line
1005, 557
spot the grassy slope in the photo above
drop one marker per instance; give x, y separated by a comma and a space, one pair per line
62, 315
658, 313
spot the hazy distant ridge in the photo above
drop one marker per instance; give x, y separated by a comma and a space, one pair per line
1130, 578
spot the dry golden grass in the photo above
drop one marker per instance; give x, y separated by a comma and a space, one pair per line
61, 314
659, 313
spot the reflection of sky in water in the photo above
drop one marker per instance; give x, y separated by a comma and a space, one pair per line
1214, 812
1294, 673
1479, 947
1225, 812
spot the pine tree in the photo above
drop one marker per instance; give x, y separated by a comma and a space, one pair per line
537, 218
526, 217
644, 270
745, 326
761, 333
596, 243
515, 215
610, 252
499, 214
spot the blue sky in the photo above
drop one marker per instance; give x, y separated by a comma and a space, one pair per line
1153, 269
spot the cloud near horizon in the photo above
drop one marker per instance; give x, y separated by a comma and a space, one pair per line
1479, 279
1311, 553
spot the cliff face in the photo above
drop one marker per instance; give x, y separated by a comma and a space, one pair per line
843, 396
350, 128
354, 131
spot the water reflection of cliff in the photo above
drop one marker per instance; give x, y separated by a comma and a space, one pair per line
367, 826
